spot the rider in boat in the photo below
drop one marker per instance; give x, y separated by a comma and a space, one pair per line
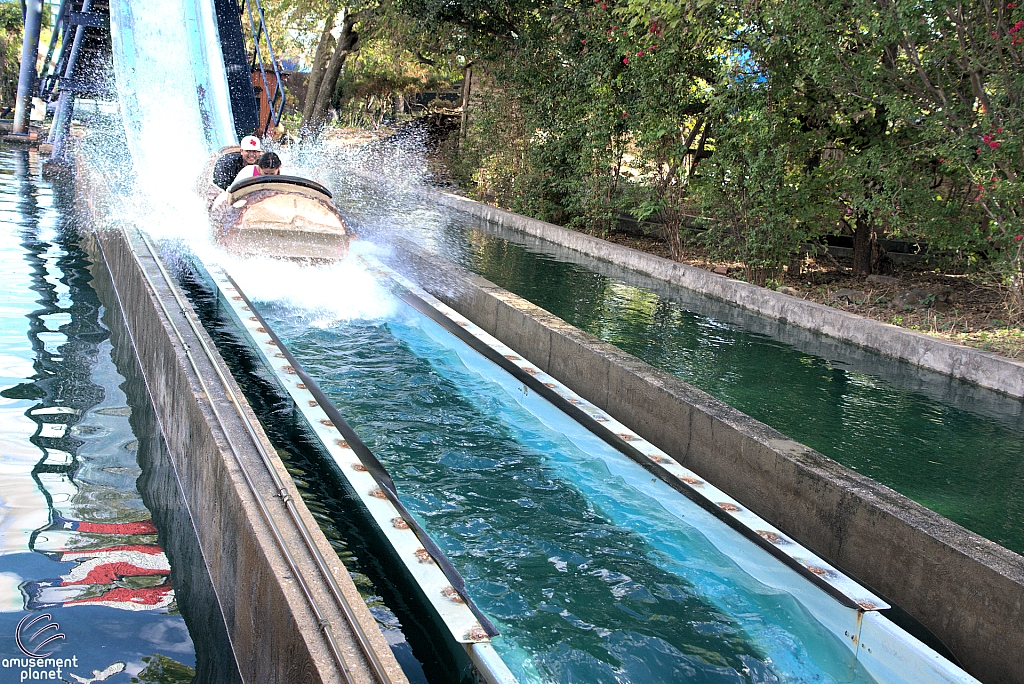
269, 164
229, 165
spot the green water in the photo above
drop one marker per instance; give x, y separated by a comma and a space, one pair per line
952, 447
588, 578
962, 458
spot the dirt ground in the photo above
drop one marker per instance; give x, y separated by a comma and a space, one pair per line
918, 297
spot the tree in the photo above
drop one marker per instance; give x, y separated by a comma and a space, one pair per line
10, 51
323, 18
917, 105
319, 100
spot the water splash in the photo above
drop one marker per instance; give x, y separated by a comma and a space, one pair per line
321, 294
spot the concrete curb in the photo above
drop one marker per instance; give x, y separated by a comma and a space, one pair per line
275, 634
966, 363
967, 590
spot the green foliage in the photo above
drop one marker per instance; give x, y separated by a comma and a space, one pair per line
586, 111
756, 194
901, 118
10, 51
771, 123
384, 75
394, 58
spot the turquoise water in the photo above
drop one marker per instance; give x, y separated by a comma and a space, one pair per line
592, 570
954, 448
961, 457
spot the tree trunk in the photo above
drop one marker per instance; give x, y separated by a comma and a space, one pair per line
323, 49
346, 44
864, 239
467, 84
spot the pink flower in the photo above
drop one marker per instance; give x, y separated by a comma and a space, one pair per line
625, 60
994, 145
640, 54
1018, 238
584, 41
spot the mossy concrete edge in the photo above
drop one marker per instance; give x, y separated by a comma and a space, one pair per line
276, 635
982, 368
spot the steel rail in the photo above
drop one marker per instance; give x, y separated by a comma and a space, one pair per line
360, 635
257, 55
49, 72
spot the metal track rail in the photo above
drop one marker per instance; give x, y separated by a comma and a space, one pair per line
378, 668
440, 583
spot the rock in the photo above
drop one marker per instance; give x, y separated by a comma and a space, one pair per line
884, 281
852, 296
788, 290
924, 297
721, 270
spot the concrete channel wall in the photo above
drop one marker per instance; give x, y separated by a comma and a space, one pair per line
965, 589
973, 365
276, 633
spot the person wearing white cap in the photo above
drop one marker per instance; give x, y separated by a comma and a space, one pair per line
231, 163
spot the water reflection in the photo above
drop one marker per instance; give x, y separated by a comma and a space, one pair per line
80, 556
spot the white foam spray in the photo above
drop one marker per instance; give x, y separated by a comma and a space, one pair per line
324, 294
173, 124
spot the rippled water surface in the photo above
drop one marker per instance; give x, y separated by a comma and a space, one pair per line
84, 577
588, 572
962, 457
957, 449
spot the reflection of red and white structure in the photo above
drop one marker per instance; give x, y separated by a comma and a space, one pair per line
133, 577
125, 528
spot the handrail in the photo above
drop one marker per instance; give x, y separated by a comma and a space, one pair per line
48, 77
258, 31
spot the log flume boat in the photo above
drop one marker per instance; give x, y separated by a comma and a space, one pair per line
280, 216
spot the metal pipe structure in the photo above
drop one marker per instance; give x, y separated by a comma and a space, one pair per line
58, 29
61, 127
275, 102
27, 76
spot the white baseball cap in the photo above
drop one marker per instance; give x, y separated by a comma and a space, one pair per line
251, 142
